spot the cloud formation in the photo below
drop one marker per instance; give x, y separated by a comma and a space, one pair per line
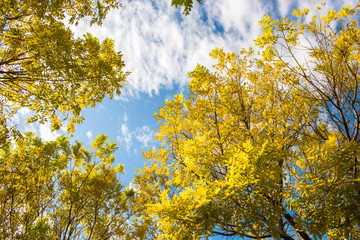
160, 45
89, 134
126, 136
45, 132
145, 136
142, 136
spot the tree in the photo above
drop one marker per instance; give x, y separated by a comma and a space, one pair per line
55, 190
267, 146
45, 68
187, 4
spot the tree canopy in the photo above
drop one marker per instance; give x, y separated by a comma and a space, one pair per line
45, 68
58, 190
267, 144
187, 4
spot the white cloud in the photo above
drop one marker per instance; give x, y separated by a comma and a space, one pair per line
125, 117
31, 127
125, 137
285, 7
21, 115
160, 45
25, 112
145, 136
239, 18
45, 132
89, 134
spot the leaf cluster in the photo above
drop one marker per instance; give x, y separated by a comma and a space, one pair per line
44, 68
58, 190
265, 145
187, 4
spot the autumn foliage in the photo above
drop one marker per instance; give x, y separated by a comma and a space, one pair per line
57, 189
47, 70
266, 145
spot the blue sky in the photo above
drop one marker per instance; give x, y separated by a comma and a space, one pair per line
160, 45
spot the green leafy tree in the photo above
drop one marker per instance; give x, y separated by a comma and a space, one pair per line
45, 68
267, 145
56, 190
